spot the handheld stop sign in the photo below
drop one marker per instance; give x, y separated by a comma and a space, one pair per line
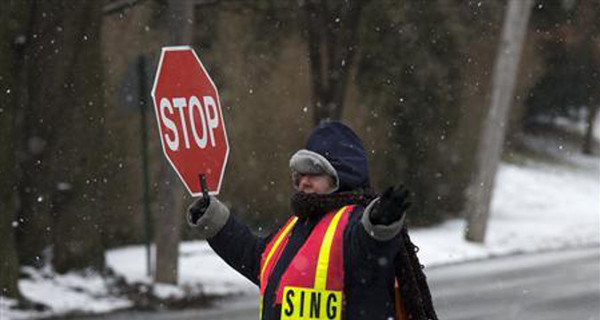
190, 120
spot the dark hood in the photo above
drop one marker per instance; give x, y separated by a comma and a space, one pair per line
344, 150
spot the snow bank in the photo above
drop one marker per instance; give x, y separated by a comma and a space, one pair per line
200, 270
82, 292
533, 209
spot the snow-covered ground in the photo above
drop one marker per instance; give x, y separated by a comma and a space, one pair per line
536, 206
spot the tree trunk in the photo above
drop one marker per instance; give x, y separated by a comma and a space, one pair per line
588, 139
14, 17
169, 216
168, 226
490, 146
63, 114
584, 42
332, 33
9, 264
32, 232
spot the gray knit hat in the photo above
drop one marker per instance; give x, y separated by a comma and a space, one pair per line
309, 162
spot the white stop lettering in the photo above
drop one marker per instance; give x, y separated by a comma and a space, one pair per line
201, 132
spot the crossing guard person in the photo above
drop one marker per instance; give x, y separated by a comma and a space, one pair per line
343, 253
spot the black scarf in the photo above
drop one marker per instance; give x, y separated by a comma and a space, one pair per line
309, 205
414, 288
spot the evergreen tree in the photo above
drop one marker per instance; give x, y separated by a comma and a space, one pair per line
409, 64
571, 82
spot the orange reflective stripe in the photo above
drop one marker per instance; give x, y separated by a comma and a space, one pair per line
282, 236
325, 252
263, 267
400, 312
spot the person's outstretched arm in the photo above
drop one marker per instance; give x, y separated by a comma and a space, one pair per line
229, 238
372, 241
372, 232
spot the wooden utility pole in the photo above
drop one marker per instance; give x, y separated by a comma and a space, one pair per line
479, 193
180, 17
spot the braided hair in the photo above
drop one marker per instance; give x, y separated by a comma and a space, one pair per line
414, 290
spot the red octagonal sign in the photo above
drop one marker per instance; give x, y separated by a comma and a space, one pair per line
190, 121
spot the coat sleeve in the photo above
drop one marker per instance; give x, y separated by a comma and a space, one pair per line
380, 232
376, 254
240, 248
377, 243
374, 241
369, 264
230, 239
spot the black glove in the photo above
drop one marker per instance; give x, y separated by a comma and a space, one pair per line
198, 208
391, 207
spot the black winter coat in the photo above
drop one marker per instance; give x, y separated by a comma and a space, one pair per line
368, 264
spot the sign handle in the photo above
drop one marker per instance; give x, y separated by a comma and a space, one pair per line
204, 188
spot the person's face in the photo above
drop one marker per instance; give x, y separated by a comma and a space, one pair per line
319, 184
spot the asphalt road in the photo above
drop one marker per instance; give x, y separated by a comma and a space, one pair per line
558, 285
555, 285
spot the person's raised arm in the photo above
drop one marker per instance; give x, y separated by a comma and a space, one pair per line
229, 238
372, 234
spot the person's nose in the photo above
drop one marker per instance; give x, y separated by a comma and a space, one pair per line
304, 182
